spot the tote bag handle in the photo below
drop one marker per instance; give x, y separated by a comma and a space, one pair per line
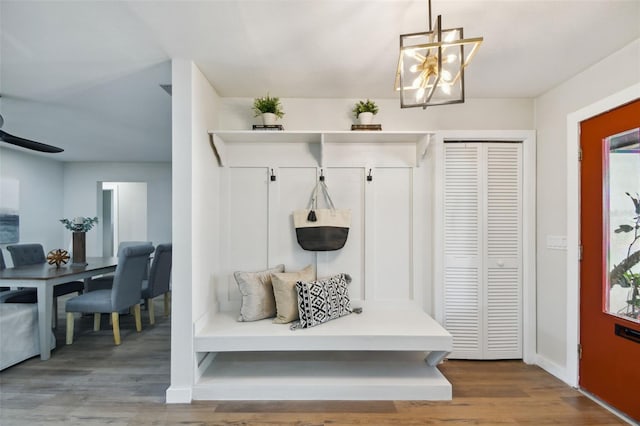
313, 202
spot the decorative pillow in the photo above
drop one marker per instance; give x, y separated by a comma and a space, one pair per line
258, 301
284, 290
322, 300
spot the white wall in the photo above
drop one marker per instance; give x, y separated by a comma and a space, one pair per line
195, 219
40, 185
206, 194
616, 72
83, 183
335, 114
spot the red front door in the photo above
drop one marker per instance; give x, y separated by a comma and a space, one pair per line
610, 363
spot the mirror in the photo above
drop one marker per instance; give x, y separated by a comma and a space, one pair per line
622, 224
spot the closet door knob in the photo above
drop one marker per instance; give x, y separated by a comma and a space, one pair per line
501, 263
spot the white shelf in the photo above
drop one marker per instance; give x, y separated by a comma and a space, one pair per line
321, 376
266, 136
321, 144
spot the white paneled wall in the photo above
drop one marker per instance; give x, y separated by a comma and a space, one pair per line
392, 233
290, 191
258, 232
347, 189
245, 224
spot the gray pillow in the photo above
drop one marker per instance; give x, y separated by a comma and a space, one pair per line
284, 289
258, 301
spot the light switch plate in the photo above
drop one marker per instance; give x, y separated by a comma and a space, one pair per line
557, 242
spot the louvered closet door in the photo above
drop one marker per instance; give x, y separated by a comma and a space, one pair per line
462, 237
483, 239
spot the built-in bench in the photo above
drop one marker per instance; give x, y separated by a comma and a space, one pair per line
384, 353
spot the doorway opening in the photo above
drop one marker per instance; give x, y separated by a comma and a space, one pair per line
124, 214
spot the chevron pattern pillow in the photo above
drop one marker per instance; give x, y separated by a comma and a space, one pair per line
322, 300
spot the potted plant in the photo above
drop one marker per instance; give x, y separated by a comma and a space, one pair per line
79, 226
269, 108
622, 273
365, 110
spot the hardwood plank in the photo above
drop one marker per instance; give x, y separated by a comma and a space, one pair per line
306, 406
94, 382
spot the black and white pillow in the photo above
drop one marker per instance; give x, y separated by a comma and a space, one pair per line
322, 300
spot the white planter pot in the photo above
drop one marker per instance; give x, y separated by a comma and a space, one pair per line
268, 118
365, 117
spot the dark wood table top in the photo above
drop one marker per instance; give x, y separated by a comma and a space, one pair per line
44, 271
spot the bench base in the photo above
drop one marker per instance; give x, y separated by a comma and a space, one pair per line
321, 375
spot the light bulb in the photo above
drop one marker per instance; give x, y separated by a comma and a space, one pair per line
412, 53
445, 75
419, 94
446, 88
414, 68
417, 82
451, 35
450, 58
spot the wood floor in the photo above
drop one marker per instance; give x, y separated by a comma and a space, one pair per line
93, 382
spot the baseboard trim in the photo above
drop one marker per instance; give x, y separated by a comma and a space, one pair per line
176, 395
554, 369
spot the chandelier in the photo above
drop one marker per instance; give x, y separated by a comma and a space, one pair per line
431, 65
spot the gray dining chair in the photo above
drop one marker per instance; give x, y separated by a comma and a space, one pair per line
106, 281
15, 296
159, 280
33, 254
124, 294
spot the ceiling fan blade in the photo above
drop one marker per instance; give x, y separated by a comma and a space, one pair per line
26, 143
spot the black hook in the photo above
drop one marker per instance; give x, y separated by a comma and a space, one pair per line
273, 176
369, 177
321, 175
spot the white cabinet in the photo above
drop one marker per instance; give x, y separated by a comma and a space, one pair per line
482, 227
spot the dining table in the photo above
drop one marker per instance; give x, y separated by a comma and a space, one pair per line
44, 277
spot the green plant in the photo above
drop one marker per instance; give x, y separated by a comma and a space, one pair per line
267, 104
622, 274
365, 106
80, 224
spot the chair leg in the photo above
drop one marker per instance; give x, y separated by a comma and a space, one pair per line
167, 305
96, 321
115, 320
152, 317
69, 328
136, 314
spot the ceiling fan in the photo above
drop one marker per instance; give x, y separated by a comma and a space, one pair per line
26, 143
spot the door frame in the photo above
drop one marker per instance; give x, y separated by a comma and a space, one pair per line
528, 140
573, 221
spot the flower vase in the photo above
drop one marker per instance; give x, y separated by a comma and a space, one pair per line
79, 250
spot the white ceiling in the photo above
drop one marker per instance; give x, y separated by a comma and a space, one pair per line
85, 75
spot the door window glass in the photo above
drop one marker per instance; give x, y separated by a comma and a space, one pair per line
622, 224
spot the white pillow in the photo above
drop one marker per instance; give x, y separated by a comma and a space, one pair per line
258, 301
